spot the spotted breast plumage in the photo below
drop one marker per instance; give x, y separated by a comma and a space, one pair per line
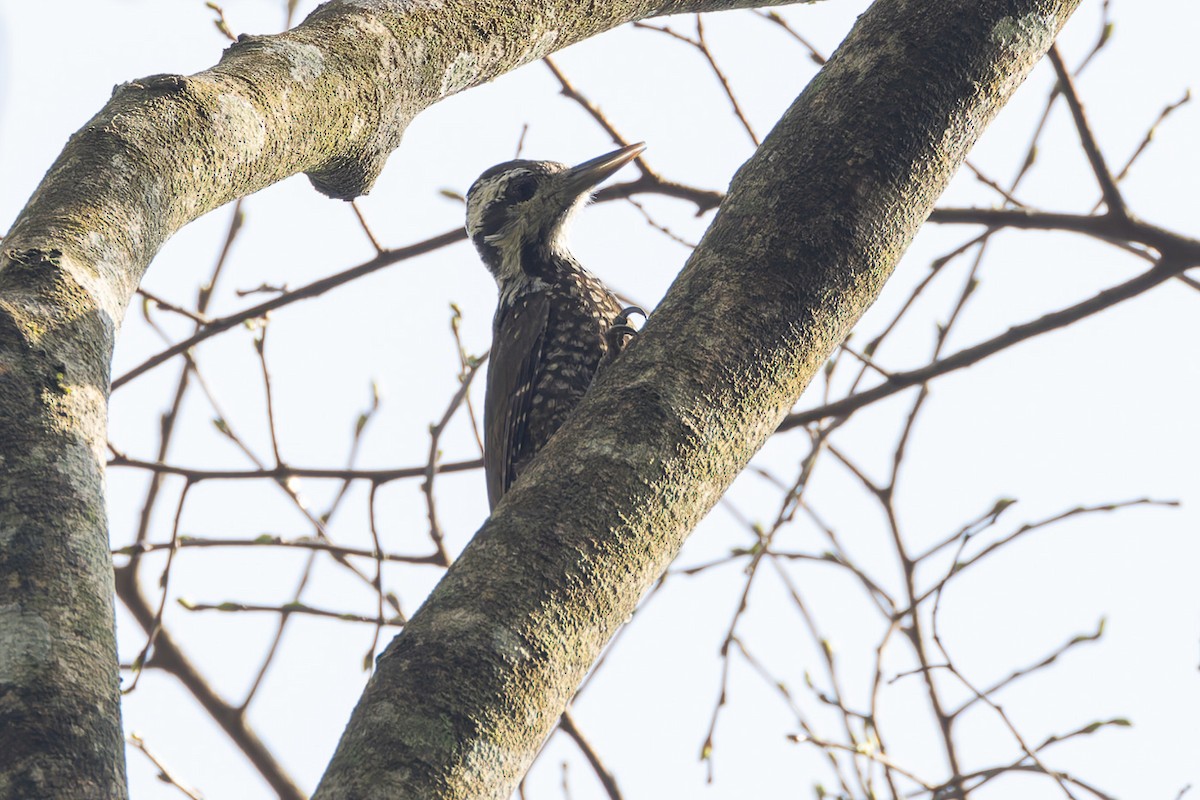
556, 323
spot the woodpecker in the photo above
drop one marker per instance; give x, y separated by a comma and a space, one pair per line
556, 323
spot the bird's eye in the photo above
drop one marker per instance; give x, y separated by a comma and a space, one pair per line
522, 189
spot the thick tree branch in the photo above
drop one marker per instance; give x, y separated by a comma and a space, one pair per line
810, 231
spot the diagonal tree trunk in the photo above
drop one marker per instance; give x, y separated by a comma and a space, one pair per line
811, 229
464, 697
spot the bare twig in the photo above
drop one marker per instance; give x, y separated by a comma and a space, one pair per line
164, 774
272, 540
290, 608
366, 228
1104, 177
814, 54
567, 724
284, 472
973, 355
163, 581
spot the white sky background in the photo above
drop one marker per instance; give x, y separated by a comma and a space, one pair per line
1104, 411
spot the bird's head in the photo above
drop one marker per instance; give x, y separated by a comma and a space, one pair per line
518, 211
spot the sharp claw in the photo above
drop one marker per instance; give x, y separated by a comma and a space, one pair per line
621, 330
623, 317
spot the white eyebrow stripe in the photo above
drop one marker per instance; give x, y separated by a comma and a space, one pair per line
482, 195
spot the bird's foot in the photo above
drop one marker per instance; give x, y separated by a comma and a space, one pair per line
618, 335
620, 332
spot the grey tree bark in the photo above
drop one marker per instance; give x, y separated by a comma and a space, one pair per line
811, 228
463, 698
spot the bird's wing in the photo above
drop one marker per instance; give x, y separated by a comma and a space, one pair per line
520, 329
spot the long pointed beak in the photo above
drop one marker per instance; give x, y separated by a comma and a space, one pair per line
585, 176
